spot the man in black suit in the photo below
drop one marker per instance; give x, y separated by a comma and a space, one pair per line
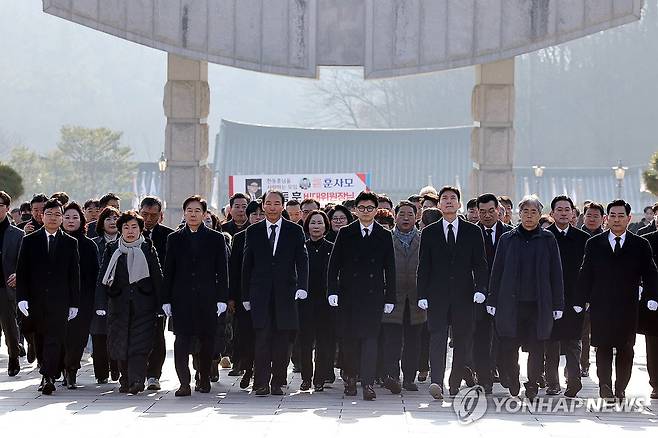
48, 289
151, 210
10, 245
108, 200
36, 210
648, 326
195, 292
484, 342
362, 285
567, 331
274, 276
239, 220
651, 226
452, 275
616, 263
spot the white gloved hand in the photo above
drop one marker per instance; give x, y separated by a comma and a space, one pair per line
23, 306
166, 308
652, 305
221, 308
388, 308
100, 312
423, 304
73, 312
246, 305
333, 300
491, 310
479, 298
301, 294
577, 309
557, 314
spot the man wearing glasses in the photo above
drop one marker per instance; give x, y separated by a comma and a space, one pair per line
48, 289
362, 286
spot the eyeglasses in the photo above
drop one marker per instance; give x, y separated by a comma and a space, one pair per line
338, 219
363, 208
55, 215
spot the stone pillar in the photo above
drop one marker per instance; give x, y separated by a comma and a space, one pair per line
492, 140
186, 106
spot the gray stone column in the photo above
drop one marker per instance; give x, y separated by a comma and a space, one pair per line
492, 141
186, 106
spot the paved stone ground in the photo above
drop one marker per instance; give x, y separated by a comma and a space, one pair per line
103, 412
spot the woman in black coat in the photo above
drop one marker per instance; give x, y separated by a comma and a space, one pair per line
106, 228
339, 216
316, 317
77, 330
128, 292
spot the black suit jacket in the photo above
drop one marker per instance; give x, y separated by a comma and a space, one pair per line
362, 274
610, 283
501, 228
448, 280
159, 236
49, 286
648, 320
269, 282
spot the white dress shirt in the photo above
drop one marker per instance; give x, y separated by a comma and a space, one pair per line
455, 226
563, 232
611, 239
268, 224
369, 228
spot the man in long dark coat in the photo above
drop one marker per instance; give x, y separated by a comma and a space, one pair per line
195, 292
616, 263
48, 289
567, 331
274, 276
362, 284
452, 275
648, 326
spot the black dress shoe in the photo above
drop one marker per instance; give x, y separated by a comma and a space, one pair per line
553, 390
41, 385
531, 390
422, 376
14, 367
136, 388
350, 387
409, 386
572, 388
183, 391
71, 379
620, 395
318, 387
246, 380
49, 386
305, 386
276, 390
369, 393
203, 386
542, 381
214, 371
605, 391
235, 372
392, 385
453, 391
262, 391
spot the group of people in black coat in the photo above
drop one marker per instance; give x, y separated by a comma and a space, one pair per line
354, 295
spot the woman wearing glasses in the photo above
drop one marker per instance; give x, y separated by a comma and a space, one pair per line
339, 216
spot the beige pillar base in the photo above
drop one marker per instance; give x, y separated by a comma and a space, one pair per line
186, 106
492, 141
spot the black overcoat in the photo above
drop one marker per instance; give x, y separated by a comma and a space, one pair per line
315, 310
648, 320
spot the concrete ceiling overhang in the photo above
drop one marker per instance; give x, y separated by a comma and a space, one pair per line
387, 37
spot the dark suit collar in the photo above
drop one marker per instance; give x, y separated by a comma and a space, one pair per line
202, 229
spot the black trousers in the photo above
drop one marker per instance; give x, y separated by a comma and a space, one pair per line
652, 360
49, 353
272, 355
243, 340
571, 349
323, 337
401, 345
360, 358
102, 362
526, 329
158, 353
424, 360
184, 345
77, 335
8, 322
585, 339
483, 355
462, 353
623, 365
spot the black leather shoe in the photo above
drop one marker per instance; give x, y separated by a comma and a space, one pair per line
350, 387
276, 390
318, 387
531, 390
409, 386
203, 386
542, 381
183, 391
49, 386
422, 376
605, 391
262, 391
246, 380
136, 388
572, 388
305, 386
369, 393
513, 386
71, 379
14, 367
392, 385
620, 395
41, 385
453, 391
214, 371
436, 391
553, 390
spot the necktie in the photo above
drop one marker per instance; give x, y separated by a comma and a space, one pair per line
617, 244
489, 236
272, 237
147, 234
366, 233
51, 247
451, 237
489, 244
564, 233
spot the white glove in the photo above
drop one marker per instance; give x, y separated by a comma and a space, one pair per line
577, 309
422, 304
388, 308
73, 312
300, 294
221, 308
639, 292
166, 308
100, 312
491, 310
652, 305
333, 300
23, 306
557, 314
246, 305
479, 298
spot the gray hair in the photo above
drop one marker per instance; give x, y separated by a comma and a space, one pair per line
532, 201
